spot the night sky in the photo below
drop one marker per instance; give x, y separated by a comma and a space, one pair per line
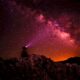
45, 27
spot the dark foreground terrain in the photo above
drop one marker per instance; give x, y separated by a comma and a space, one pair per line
34, 67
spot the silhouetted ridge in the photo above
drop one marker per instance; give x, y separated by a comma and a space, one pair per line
73, 60
36, 67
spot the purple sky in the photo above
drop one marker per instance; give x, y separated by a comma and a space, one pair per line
49, 28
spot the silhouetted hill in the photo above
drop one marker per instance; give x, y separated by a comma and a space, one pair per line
72, 60
36, 67
32, 67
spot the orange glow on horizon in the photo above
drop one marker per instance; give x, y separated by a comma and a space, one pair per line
62, 58
56, 56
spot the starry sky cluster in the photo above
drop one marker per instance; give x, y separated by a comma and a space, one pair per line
46, 27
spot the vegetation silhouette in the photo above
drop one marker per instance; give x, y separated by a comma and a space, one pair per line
36, 67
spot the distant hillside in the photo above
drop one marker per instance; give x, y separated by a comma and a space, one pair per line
72, 60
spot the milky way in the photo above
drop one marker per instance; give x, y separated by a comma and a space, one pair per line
45, 28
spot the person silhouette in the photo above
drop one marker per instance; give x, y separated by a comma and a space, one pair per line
24, 53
